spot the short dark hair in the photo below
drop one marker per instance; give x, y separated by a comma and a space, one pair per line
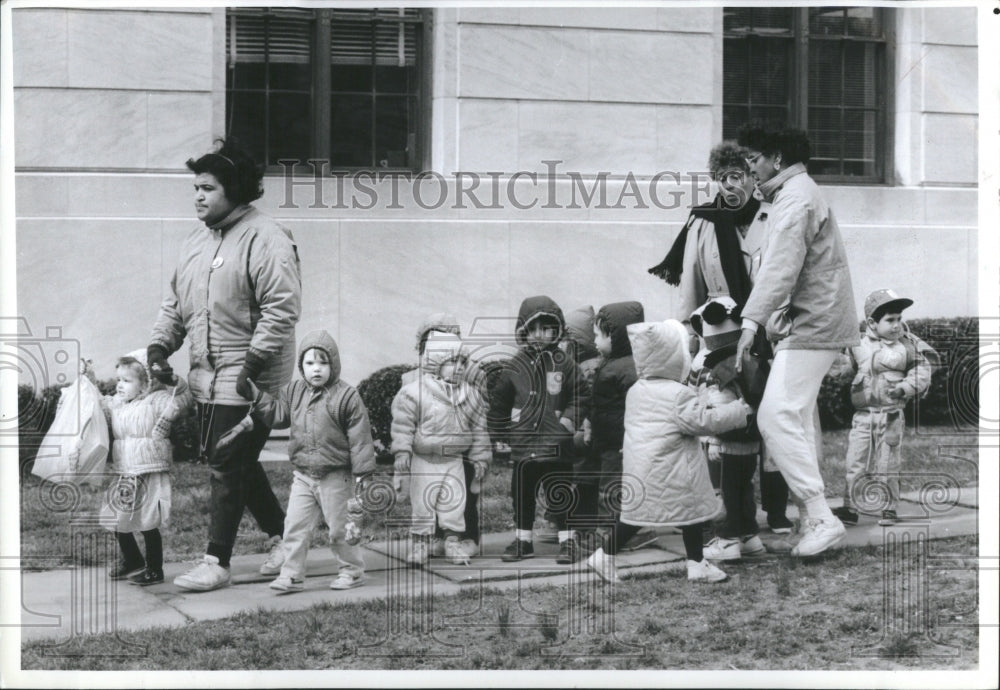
234, 168
770, 139
603, 326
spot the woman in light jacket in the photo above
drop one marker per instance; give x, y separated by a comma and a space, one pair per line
803, 295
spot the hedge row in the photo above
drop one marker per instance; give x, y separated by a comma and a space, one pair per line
37, 409
952, 400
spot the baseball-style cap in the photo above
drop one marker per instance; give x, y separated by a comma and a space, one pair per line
885, 300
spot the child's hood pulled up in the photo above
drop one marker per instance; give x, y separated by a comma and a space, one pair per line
660, 350
533, 308
321, 340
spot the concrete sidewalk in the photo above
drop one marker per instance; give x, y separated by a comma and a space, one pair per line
78, 601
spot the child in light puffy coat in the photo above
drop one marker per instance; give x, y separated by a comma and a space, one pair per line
141, 413
665, 477
893, 366
331, 449
438, 418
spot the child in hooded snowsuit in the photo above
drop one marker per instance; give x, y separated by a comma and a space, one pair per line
536, 408
141, 413
893, 366
437, 419
665, 478
434, 326
331, 450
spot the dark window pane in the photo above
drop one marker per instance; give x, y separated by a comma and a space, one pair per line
826, 21
351, 131
351, 78
735, 71
860, 132
290, 76
859, 74
773, 19
290, 130
770, 76
826, 134
733, 117
825, 86
247, 121
392, 119
393, 79
863, 21
823, 167
736, 19
351, 43
245, 75
774, 116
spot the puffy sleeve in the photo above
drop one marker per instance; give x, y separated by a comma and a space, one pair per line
697, 416
277, 284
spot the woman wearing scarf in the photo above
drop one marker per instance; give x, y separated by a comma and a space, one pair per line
718, 253
803, 295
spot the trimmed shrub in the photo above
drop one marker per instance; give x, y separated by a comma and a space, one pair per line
37, 409
953, 396
377, 392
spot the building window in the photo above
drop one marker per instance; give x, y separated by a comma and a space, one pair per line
821, 69
329, 84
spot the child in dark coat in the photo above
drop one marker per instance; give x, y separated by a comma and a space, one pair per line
536, 407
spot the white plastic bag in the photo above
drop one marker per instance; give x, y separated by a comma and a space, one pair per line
79, 426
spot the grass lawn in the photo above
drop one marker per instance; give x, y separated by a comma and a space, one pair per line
778, 614
46, 533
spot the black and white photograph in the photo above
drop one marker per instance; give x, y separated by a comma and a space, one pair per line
561, 344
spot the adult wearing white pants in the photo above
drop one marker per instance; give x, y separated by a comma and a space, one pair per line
803, 296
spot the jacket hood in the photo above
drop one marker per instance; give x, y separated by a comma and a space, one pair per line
323, 341
531, 309
618, 316
660, 349
580, 331
440, 349
440, 321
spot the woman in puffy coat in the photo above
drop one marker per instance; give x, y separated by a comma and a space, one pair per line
803, 296
664, 476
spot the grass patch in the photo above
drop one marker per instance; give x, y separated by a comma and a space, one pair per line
46, 534
831, 618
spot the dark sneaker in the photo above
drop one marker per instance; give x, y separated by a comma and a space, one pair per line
846, 515
889, 517
780, 524
518, 551
147, 577
569, 552
125, 568
640, 540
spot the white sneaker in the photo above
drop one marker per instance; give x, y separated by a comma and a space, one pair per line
275, 557
752, 546
419, 553
437, 548
604, 565
205, 576
818, 536
704, 572
346, 580
454, 552
286, 585
721, 549
469, 548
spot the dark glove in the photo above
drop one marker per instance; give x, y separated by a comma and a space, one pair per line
156, 360
252, 366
